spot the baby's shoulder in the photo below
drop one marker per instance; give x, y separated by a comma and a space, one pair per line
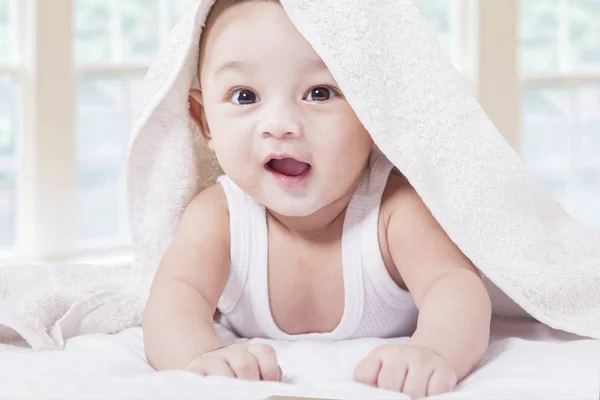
209, 205
213, 196
403, 211
399, 196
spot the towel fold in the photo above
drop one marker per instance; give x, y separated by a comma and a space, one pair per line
45, 305
535, 258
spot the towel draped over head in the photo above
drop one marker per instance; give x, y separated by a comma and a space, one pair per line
422, 116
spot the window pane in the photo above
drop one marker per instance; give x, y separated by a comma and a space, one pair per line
111, 32
587, 187
585, 34
547, 122
92, 27
562, 134
9, 126
123, 30
178, 8
439, 13
560, 35
139, 24
539, 35
7, 210
104, 123
589, 101
5, 31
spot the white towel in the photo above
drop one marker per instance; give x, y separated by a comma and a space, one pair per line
419, 112
47, 304
534, 256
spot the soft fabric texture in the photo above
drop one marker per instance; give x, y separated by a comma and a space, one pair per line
47, 304
525, 360
374, 306
406, 92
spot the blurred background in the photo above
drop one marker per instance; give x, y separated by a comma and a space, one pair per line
70, 69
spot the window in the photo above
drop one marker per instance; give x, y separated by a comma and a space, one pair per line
115, 41
560, 67
439, 13
448, 21
9, 124
64, 128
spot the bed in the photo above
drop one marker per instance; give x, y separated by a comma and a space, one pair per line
525, 360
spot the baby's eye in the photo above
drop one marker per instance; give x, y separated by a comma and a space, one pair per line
244, 97
320, 93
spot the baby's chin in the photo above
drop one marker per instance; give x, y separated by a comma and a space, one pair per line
295, 208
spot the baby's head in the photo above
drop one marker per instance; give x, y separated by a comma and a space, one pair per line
272, 112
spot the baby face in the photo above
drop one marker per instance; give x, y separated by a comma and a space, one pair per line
272, 112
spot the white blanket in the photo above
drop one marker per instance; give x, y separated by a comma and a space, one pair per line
536, 363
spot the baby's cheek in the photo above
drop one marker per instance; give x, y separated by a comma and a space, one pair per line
230, 160
237, 161
226, 154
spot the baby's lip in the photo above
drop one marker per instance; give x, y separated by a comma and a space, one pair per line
282, 156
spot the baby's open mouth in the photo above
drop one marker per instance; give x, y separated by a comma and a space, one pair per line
287, 166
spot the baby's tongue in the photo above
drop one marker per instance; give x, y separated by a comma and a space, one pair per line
288, 166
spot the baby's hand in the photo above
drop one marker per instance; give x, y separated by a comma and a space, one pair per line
414, 370
255, 362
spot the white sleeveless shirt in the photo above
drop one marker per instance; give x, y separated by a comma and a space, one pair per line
374, 305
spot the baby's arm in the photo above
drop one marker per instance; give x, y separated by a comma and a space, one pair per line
178, 320
454, 306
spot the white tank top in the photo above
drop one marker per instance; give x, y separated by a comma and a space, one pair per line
374, 305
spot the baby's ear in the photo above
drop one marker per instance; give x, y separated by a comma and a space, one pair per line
196, 110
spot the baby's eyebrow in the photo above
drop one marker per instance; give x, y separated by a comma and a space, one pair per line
240, 66
231, 66
317, 64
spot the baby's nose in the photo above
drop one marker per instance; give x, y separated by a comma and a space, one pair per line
278, 134
281, 122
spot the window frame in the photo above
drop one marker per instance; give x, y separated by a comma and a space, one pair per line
47, 150
116, 67
46, 184
12, 70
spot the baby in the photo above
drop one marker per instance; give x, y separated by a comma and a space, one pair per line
311, 232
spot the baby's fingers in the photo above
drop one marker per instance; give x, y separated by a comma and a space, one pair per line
417, 379
392, 375
441, 381
219, 368
244, 365
212, 367
367, 370
267, 362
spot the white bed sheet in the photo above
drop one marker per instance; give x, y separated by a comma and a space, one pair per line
525, 360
